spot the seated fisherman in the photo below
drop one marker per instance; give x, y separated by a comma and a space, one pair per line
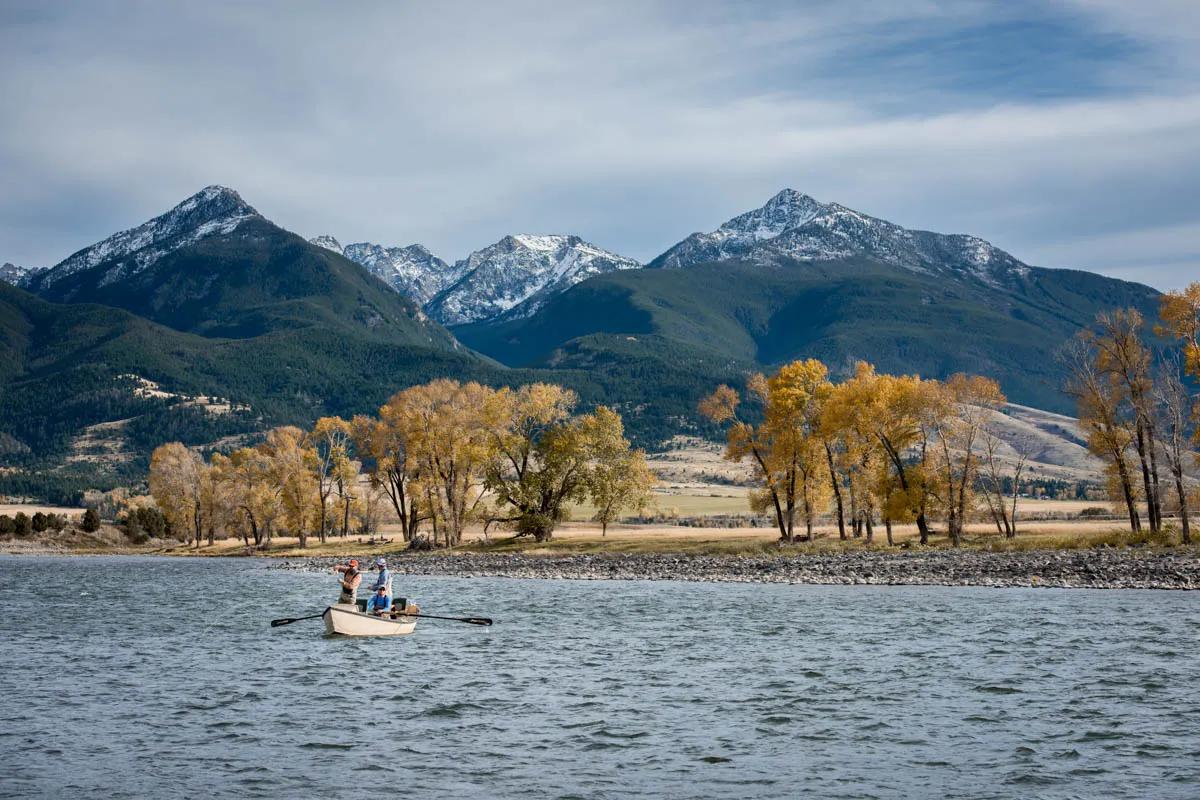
379, 604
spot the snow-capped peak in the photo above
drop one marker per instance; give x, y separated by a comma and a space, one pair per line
328, 242
516, 275
413, 270
793, 226
12, 274
212, 211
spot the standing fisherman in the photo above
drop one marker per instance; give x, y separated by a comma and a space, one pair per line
383, 580
349, 581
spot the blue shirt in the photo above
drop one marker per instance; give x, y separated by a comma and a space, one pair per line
377, 603
384, 578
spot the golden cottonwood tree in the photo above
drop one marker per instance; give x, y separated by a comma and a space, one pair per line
784, 448
446, 426
1099, 395
619, 479
391, 463
177, 477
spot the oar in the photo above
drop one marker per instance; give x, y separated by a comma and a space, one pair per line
275, 623
468, 620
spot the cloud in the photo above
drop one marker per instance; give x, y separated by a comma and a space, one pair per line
1059, 133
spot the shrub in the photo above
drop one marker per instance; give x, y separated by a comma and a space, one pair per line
91, 520
23, 524
143, 523
40, 522
7, 526
56, 522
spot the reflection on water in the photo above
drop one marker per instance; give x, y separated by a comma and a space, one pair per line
155, 678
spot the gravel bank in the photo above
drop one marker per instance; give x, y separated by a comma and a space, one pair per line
1084, 569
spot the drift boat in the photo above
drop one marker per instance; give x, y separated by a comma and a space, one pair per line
347, 620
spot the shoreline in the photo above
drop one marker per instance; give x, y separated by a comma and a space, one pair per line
1073, 569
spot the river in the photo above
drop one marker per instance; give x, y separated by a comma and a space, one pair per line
143, 677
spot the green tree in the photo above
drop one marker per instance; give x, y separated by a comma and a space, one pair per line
91, 520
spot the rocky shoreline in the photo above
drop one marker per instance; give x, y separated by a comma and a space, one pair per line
1083, 569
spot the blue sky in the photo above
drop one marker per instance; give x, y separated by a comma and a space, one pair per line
1065, 133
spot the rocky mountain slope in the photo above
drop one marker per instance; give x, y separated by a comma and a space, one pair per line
514, 277
510, 279
13, 275
413, 271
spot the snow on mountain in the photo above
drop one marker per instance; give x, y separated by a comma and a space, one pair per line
11, 273
213, 211
793, 225
515, 276
329, 243
413, 271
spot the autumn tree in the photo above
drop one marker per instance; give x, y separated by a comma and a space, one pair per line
290, 462
619, 479
177, 476
1002, 505
329, 441
391, 463
1099, 395
543, 455
245, 478
1180, 314
445, 425
1178, 432
1121, 355
787, 454
956, 412
895, 412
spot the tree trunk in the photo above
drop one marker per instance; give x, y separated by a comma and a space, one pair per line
837, 493
1151, 510
870, 522
1184, 523
1135, 522
887, 523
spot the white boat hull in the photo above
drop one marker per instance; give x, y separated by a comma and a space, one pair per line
347, 620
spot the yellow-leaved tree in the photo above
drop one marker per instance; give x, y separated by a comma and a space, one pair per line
785, 447
177, 478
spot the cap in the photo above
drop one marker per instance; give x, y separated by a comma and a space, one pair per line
354, 562
381, 588
380, 562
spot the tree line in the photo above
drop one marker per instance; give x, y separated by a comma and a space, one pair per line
1137, 409
441, 456
872, 448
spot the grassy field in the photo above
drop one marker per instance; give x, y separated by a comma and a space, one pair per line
695, 501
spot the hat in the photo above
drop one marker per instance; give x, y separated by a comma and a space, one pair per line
381, 588
354, 562
380, 562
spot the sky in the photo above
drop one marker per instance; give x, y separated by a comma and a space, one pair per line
1067, 133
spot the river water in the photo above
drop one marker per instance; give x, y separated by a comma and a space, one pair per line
161, 678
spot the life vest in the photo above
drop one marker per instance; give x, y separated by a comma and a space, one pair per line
347, 577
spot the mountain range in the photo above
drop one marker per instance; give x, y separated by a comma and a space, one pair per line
510, 279
213, 299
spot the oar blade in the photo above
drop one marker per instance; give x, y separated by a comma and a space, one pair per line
477, 620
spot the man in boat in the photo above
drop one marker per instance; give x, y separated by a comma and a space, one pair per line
379, 604
349, 581
383, 579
